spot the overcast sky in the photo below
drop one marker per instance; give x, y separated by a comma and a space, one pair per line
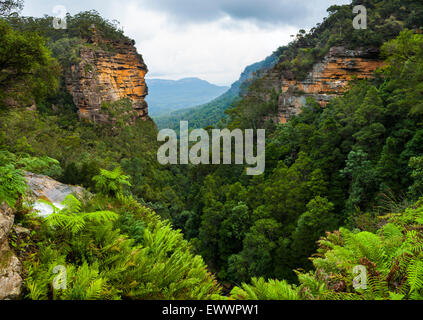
210, 39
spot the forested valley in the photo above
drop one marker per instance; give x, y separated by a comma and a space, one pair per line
342, 188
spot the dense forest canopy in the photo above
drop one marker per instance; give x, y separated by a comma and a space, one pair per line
342, 183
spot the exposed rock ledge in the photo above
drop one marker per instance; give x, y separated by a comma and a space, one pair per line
45, 188
41, 188
328, 79
107, 76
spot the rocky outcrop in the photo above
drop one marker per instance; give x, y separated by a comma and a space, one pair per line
10, 266
41, 188
107, 72
328, 79
44, 188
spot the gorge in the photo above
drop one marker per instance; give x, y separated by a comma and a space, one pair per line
340, 111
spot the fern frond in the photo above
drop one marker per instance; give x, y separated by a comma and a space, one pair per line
262, 290
415, 275
100, 216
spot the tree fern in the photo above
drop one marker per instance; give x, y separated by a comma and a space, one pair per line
71, 219
40, 165
104, 263
262, 290
111, 182
415, 276
12, 184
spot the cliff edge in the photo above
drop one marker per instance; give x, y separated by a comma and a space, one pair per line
108, 71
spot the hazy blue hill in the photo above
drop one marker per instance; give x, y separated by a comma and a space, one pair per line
211, 113
170, 95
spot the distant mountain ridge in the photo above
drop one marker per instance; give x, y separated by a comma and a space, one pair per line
211, 113
169, 95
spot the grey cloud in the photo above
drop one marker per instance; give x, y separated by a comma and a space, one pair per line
300, 13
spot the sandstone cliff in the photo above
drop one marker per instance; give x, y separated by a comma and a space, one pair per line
328, 79
108, 71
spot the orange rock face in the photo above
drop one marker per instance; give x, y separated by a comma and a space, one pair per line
327, 80
108, 76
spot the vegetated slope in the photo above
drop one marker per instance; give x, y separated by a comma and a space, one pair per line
165, 96
326, 168
100, 66
211, 113
279, 92
109, 245
113, 246
382, 264
338, 167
